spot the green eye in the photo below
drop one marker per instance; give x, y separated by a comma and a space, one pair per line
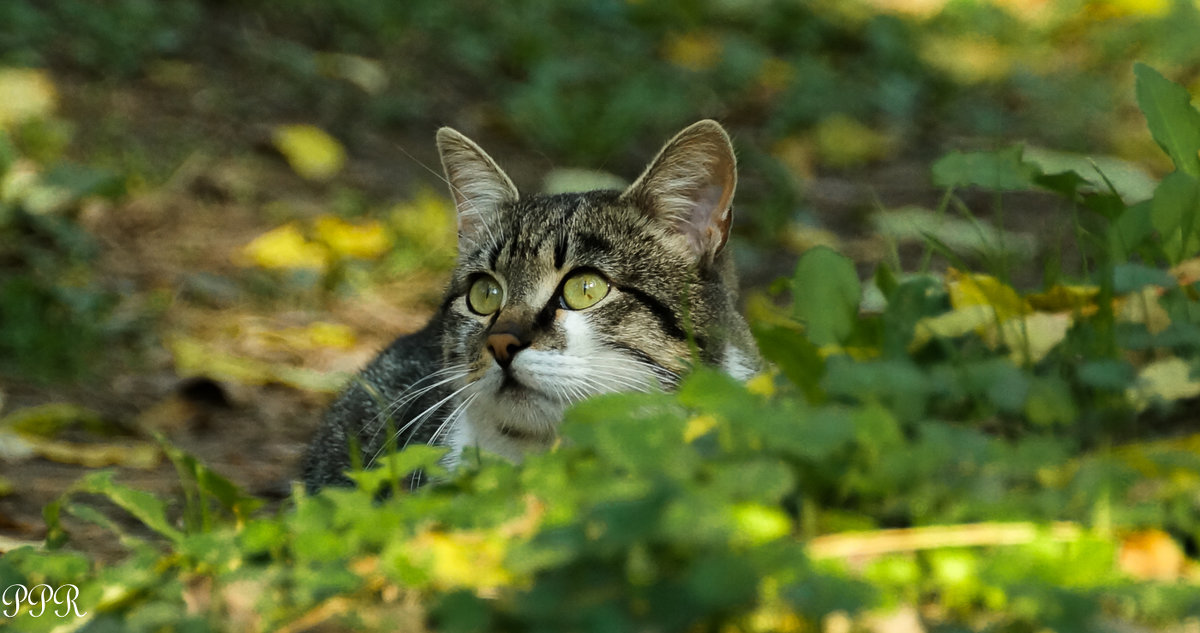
584, 290
485, 295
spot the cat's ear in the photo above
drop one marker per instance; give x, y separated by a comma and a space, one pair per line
690, 184
477, 183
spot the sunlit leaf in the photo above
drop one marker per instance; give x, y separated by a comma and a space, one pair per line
841, 141
139, 455
285, 247
968, 58
367, 240
1144, 307
1151, 555
1029, 338
967, 289
1173, 121
310, 151
27, 94
1163, 380
196, 358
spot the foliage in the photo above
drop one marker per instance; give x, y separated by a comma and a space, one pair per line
965, 448
49, 328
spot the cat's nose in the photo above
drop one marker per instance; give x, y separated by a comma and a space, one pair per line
504, 346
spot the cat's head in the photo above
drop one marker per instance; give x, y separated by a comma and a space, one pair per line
557, 297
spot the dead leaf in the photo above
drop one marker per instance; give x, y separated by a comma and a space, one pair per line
311, 152
284, 247
140, 455
367, 240
1168, 379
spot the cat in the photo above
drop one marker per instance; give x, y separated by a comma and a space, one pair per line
553, 298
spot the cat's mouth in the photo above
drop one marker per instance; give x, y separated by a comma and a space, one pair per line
523, 435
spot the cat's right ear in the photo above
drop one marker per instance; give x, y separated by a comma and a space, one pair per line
690, 186
477, 183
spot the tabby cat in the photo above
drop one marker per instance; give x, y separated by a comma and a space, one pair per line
553, 298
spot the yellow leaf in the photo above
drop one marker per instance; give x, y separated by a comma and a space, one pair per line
698, 426
1142, 306
844, 142
461, 559
1168, 379
285, 247
368, 240
968, 289
195, 358
1187, 271
311, 152
693, 51
1031, 337
958, 322
27, 94
140, 455
762, 384
1151, 555
1140, 8
968, 59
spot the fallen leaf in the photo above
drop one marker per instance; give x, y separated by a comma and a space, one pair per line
1168, 379
967, 289
311, 152
368, 240
285, 247
140, 455
1142, 306
1031, 337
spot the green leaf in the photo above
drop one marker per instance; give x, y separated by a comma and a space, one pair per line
144, 507
1173, 122
999, 170
396, 466
795, 356
1175, 214
1130, 277
826, 292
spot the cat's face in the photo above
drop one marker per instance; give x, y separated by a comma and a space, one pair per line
555, 298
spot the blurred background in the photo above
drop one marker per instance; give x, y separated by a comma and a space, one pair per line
212, 211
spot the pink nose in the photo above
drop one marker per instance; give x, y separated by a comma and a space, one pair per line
504, 346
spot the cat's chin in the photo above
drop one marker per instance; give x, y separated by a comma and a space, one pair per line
507, 418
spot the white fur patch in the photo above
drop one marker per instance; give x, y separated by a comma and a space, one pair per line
553, 381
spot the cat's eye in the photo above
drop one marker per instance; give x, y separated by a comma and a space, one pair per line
583, 290
485, 295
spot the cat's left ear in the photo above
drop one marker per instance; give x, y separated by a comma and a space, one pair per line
477, 183
690, 184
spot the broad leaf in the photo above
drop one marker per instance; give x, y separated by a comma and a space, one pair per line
1173, 122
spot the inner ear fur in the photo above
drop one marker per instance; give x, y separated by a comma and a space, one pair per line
690, 185
477, 183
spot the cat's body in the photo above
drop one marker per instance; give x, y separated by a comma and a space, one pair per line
553, 298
